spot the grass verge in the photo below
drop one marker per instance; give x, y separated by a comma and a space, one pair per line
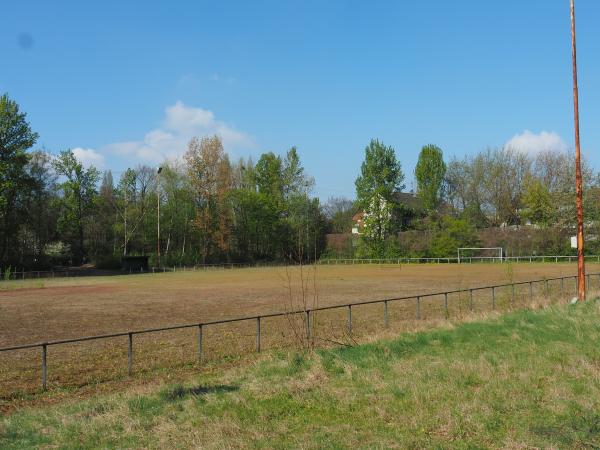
525, 379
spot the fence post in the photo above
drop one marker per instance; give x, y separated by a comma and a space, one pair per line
418, 307
471, 299
446, 303
349, 319
308, 325
562, 284
200, 343
513, 292
130, 355
258, 334
588, 281
386, 320
44, 365
493, 297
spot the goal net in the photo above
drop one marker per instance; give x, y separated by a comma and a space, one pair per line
480, 254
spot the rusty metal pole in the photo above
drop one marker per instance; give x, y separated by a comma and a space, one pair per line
158, 171
578, 181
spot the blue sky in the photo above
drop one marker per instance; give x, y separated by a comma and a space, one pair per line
128, 82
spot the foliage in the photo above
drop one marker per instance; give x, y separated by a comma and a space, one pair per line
16, 137
430, 173
77, 201
210, 177
451, 234
209, 209
339, 212
537, 203
380, 174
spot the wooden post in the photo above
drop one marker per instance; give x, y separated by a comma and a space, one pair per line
130, 355
44, 365
200, 343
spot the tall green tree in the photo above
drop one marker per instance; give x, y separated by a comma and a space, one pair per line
268, 174
380, 173
380, 177
16, 137
78, 198
430, 173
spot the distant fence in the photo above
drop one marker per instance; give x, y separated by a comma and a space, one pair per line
306, 313
65, 273
455, 260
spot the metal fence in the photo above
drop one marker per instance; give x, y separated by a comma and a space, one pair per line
14, 275
66, 273
306, 313
455, 260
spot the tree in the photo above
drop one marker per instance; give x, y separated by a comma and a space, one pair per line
294, 179
39, 216
381, 176
465, 183
506, 173
537, 202
124, 205
177, 213
380, 173
339, 211
16, 138
103, 230
79, 191
430, 173
268, 175
378, 219
211, 179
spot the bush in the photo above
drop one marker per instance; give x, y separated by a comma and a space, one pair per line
451, 234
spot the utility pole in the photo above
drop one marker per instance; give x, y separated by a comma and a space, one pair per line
158, 171
578, 182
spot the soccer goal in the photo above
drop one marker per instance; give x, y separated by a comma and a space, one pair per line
492, 254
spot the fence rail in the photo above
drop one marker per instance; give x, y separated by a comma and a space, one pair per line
307, 314
456, 260
67, 273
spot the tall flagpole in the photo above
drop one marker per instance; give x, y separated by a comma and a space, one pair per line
578, 182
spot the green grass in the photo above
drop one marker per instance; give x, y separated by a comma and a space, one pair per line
526, 379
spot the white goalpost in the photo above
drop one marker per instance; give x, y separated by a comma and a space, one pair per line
498, 256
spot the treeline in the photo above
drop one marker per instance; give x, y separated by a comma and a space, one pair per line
208, 209
455, 201
55, 211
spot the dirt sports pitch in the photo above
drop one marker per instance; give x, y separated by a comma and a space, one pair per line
42, 310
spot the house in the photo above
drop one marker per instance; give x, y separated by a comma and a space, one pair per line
408, 199
358, 222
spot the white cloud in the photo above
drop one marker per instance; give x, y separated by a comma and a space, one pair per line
180, 124
89, 157
532, 143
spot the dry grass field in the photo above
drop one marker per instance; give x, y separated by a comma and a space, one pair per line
43, 310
